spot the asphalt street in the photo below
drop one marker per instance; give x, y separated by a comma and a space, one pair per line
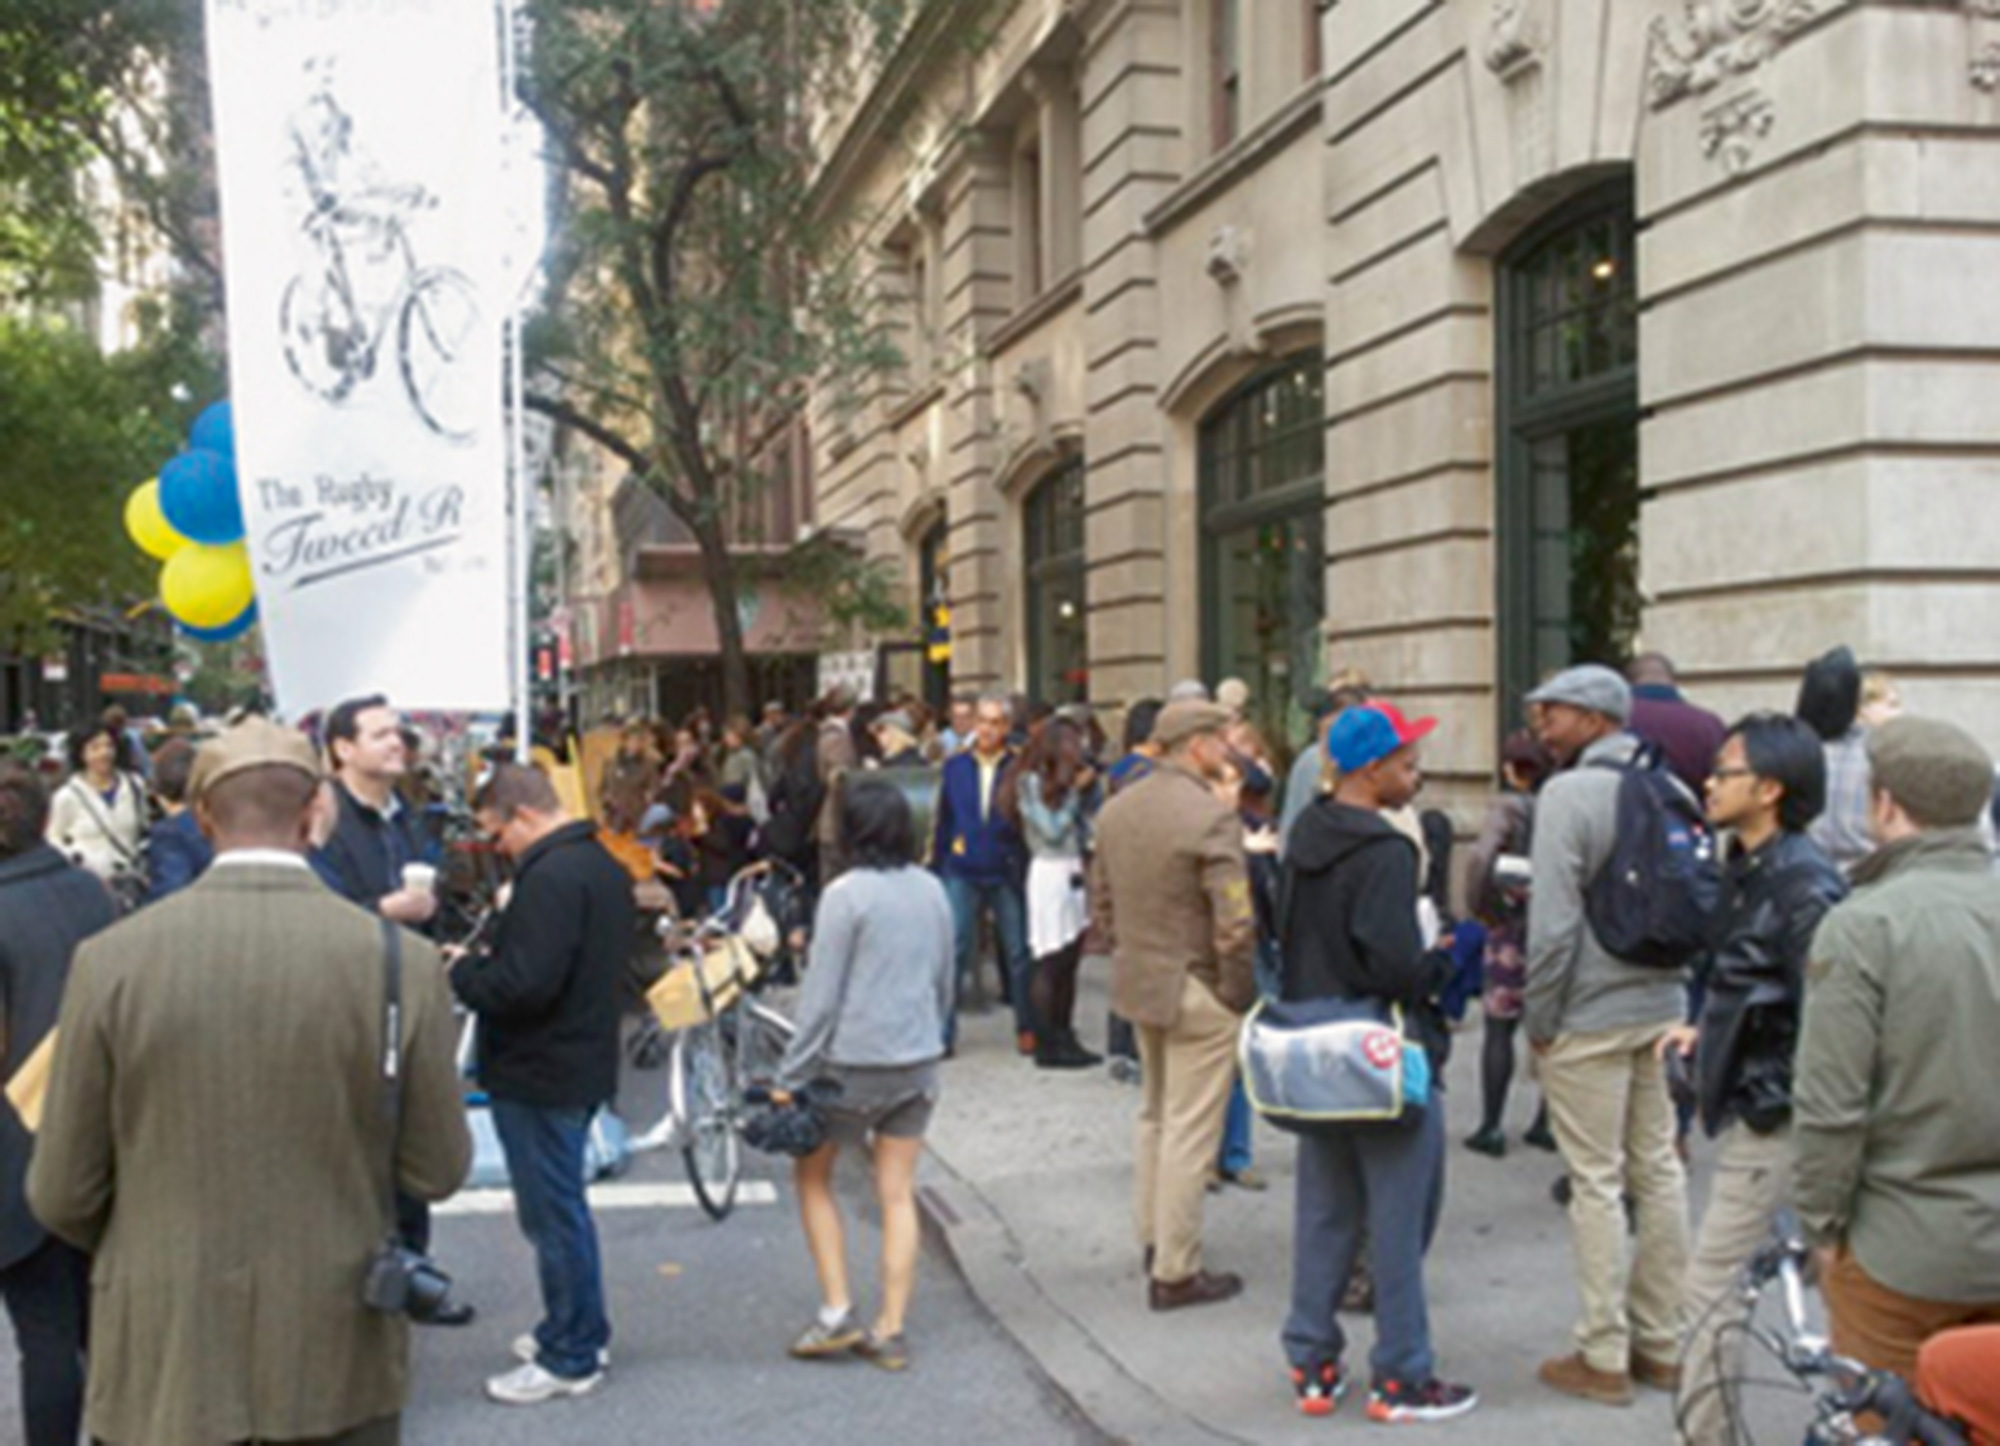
702, 1314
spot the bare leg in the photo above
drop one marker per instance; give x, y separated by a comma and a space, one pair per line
820, 1216
896, 1189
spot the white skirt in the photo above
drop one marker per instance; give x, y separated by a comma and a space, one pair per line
1058, 910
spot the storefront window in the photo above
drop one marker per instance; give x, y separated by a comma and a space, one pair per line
1263, 500
1058, 644
1569, 461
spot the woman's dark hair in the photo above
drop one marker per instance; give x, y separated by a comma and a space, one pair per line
1139, 721
875, 824
173, 765
1788, 753
24, 808
83, 735
1830, 694
1054, 754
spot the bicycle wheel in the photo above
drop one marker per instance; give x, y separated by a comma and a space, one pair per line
437, 330
706, 1087
324, 343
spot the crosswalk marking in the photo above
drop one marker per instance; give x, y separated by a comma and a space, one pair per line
615, 1195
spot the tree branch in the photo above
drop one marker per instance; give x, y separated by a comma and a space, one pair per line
563, 414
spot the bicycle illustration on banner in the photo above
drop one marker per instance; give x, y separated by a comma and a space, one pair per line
363, 288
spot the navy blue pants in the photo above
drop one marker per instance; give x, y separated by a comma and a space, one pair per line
544, 1150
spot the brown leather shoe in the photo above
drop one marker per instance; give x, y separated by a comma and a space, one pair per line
1201, 1288
1660, 1375
1574, 1376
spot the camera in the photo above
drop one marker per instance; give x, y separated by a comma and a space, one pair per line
402, 1281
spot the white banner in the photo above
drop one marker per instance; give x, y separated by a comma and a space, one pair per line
363, 206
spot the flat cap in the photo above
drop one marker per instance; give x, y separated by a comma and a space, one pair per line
1935, 770
1181, 721
1590, 686
253, 743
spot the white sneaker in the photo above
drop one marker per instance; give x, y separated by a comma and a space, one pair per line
530, 1385
528, 1350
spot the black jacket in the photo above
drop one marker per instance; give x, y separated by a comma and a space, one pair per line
47, 907
1348, 920
364, 856
1774, 900
549, 994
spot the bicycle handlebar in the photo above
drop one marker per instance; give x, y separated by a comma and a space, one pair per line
1856, 1389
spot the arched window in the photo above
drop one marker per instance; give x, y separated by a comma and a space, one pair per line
1263, 555
1058, 651
1569, 444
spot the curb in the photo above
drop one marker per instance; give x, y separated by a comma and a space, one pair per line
957, 1219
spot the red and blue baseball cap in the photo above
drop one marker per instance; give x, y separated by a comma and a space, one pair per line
1371, 731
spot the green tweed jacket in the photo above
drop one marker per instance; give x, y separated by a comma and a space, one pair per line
215, 1137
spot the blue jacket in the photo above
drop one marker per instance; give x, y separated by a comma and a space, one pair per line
177, 853
965, 844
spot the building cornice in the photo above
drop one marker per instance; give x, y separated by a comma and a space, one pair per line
1246, 153
936, 26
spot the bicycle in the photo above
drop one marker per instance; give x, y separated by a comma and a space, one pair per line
333, 333
726, 1043
1843, 1391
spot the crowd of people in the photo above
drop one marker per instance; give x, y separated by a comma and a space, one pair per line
1783, 931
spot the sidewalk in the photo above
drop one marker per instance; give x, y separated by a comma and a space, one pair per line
1028, 1182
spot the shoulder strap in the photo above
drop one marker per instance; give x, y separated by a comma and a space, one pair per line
392, 1059
105, 822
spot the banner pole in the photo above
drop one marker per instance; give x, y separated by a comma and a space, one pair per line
520, 539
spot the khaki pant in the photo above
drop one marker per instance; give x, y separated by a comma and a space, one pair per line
1884, 1328
1753, 1178
1608, 1104
1187, 1072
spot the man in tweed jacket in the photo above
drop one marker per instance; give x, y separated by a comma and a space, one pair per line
214, 1134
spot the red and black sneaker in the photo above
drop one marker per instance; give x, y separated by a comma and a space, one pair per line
1320, 1388
1396, 1403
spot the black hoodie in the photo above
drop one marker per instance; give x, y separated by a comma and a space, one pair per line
1348, 919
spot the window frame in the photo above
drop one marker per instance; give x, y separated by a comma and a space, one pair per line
1227, 512
1526, 416
1053, 551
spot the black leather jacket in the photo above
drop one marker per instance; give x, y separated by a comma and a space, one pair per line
1775, 899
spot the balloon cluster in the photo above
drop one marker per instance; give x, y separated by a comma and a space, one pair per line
191, 519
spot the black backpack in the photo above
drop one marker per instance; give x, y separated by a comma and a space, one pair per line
1656, 897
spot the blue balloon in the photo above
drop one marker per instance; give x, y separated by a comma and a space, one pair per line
215, 429
236, 627
198, 494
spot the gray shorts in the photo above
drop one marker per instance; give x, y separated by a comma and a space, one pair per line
894, 1101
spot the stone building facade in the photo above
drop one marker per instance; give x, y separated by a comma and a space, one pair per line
1451, 340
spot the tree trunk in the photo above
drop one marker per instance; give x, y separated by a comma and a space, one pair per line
718, 570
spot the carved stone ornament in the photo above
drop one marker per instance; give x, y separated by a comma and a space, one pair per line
1228, 256
1713, 40
1510, 49
1984, 71
1730, 131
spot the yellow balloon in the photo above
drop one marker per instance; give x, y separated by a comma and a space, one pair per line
147, 525
206, 586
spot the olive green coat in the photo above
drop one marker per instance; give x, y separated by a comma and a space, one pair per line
215, 1137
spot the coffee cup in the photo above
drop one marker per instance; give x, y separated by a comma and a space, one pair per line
420, 878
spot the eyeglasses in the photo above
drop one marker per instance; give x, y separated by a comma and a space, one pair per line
1717, 775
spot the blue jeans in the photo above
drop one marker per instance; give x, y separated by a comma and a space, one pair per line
969, 899
1235, 1157
544, 1150
1390, 1183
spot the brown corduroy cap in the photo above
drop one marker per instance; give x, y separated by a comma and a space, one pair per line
253, 743
1935, 770
1180, 721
